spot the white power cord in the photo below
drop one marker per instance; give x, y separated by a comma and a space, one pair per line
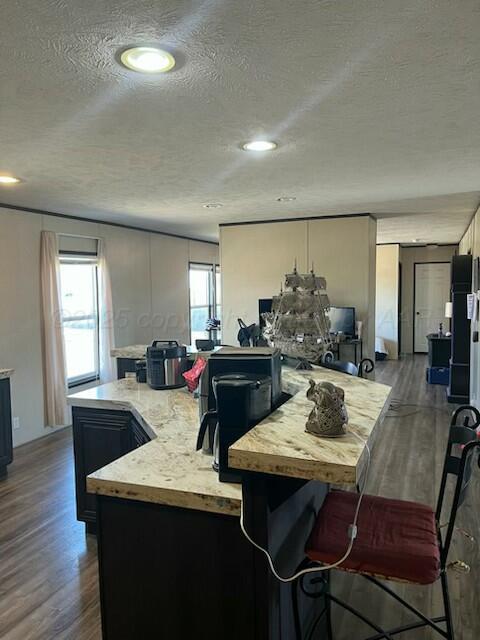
352, 532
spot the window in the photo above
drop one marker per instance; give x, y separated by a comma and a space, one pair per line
78, 278
204, 299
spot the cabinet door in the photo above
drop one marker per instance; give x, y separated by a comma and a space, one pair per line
5, 426
99, 437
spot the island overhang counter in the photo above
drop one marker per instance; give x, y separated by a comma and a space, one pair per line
163, 514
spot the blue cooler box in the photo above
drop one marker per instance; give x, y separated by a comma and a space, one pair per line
438, 375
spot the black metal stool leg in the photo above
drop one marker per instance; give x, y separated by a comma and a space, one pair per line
446, 604
294, 590
328, 609
382, 633
425, 620
296, 615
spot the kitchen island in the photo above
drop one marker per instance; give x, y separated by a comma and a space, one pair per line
173, 560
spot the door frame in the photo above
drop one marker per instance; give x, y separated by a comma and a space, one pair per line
414, 294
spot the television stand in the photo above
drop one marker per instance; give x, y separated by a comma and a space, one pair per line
355, 343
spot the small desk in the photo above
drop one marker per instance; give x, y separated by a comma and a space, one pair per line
439, 350
356, 343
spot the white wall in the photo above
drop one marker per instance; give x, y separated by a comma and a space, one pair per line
170, 300
387, 290
467, 243
254, 261
408, 257
344, 251
256, 257
149, 275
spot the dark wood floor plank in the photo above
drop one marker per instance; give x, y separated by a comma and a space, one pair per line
406, 463
48, 567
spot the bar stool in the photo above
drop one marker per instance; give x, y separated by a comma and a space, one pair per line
365, 366
397, 540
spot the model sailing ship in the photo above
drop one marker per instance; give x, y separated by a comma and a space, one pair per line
298, 323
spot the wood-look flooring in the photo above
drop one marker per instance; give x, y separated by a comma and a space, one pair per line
407, 462
48, 567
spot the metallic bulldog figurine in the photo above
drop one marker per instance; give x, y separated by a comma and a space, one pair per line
329, 417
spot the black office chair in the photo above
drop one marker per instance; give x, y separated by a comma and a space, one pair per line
397, 540
343, 367
366, 366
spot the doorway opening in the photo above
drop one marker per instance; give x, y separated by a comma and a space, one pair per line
431, 290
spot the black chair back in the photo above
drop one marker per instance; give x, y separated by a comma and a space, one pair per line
462, 443
343, 367
366, 366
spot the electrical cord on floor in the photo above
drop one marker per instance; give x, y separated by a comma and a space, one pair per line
397, 405
352, 531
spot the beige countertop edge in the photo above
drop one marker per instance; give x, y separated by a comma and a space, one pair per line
330, 473
131, 351
139, 351
317, 470
162, 496
116, 405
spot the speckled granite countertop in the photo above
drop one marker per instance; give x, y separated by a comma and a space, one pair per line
169, 471
138, 351
133, 351
166, 470
6, 373
279, 445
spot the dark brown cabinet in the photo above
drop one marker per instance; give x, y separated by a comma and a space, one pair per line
100, 437
174, 573
6, 447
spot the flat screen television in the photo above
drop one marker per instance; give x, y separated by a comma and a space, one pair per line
342, 319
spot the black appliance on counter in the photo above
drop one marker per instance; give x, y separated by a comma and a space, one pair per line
262, 361
166, 362
242, 400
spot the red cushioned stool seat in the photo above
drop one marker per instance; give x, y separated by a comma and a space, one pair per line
396, 539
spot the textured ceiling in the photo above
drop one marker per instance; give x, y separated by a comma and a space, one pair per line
375, 106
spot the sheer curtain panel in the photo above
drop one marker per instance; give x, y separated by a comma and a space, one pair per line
105, 319
55, 378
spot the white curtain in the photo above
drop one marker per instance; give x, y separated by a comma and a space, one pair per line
57, 412
105, 317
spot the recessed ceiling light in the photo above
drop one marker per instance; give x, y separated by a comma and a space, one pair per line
147, 60
260, 145
9, 180
286, 199
212, 205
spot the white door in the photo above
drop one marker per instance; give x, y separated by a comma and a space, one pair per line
432, 291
